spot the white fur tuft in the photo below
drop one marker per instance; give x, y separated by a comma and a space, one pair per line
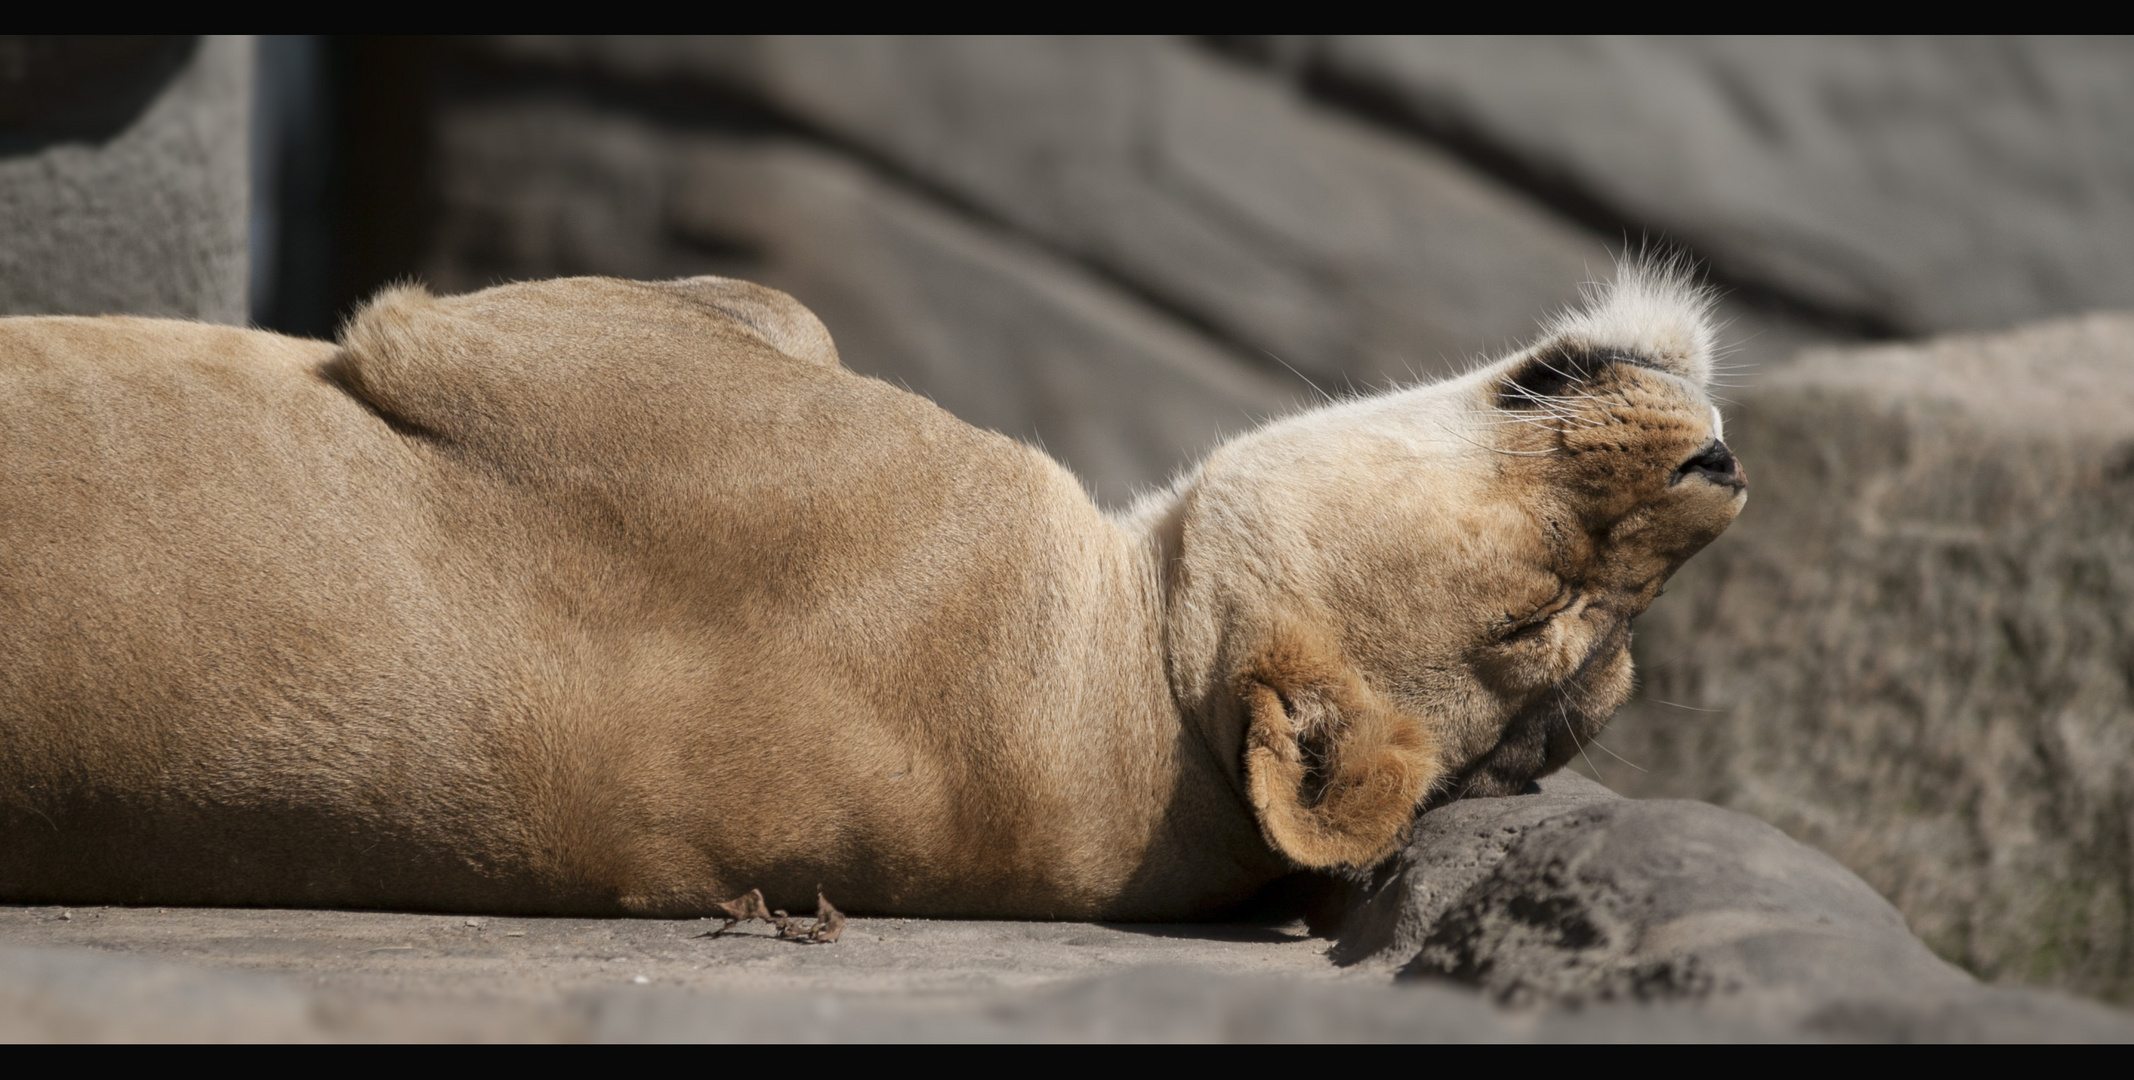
1655, 309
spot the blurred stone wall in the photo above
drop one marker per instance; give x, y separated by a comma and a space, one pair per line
123, 175
1911, 185
1121, 249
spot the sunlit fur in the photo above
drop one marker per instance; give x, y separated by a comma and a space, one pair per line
1406, 532
593, 596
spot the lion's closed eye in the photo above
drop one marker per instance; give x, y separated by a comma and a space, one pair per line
1513, 628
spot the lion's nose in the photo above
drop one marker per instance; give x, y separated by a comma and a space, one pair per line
1715, 463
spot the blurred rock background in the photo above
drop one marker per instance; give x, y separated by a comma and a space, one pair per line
1914, 650
123, 175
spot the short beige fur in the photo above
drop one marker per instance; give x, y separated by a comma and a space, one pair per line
595, 596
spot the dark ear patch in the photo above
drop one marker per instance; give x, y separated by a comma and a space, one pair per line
1555, 371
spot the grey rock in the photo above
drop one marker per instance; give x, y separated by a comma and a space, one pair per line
81, 996
1644, 900
1119, 249
1962, 1015
1913, 651
50, 995
1157, 1005
990, 327
1352, 255
139, 208
1573, 897
370, 954
114, 974
84, 996
78, 995
223, 975
1451, 850
1143, 1005
1923, 184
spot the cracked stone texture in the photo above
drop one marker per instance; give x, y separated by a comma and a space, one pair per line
135, 205
1913, 649
1921, 184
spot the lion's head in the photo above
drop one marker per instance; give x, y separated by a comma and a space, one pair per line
1427, 594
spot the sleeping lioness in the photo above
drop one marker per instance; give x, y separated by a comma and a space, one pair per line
594, 596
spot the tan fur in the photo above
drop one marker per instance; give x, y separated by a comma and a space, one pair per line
599, 596
1333, 769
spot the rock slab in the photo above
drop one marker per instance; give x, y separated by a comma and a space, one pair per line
1203, 185
1574, 896
1919, 184
1913, 649
1568, 915
124, 179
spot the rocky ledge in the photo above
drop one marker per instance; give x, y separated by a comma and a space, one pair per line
1566, 914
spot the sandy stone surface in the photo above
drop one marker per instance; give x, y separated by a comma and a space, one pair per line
113, 974
535, 960
1568, 914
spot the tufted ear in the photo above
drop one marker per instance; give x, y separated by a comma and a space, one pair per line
1334, 771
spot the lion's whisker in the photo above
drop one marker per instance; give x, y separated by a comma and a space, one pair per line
1293, 371
1563, 713
1691, 708
1616, 756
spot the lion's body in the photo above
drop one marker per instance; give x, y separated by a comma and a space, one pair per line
594, 596
709, 619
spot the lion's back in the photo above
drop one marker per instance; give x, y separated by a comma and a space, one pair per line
426, 618
220, 584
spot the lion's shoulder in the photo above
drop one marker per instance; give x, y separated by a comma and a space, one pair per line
581, 369
693, 382
781, 321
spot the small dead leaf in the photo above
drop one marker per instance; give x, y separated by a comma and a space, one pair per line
741, 909
829, 922
746, 906
789, 928
828, 925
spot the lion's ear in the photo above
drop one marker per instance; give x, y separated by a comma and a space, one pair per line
1334, 771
